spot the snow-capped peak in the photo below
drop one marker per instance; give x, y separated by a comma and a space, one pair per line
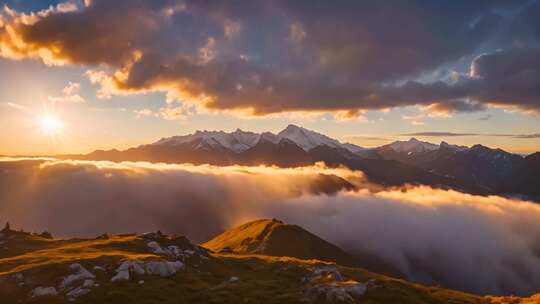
453, 147
413, 145
239, 141
307, 139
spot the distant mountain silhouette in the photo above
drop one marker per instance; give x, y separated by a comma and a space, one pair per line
477, 170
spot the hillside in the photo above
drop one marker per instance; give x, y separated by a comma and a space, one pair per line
156, 268
275, 238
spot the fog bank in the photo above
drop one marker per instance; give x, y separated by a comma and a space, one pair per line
481, 244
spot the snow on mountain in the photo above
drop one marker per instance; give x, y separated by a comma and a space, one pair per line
307, 139
412, 145
453, 147
239, 141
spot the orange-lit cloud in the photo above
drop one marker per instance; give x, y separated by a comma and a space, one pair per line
474, 243
247, 60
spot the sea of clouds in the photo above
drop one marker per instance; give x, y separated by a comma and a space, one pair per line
489, 245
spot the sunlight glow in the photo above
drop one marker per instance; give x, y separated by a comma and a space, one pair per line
51, 124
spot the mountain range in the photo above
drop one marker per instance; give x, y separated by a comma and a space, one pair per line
476, 169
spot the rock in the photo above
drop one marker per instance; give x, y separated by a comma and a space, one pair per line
163, 268
355, 289
77, 292
372, 283
327, 284
103, 237
43, 291
234, 279
329, 272
138, 269
156, 248
175, 251
99, 268
46, 235
141, 282
81, 274
122, 275
88, 284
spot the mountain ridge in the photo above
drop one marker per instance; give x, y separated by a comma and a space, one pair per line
477, 169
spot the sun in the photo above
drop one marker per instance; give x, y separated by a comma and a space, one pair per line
51, 124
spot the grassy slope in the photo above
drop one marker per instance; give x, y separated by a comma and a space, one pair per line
273, 237
263, 279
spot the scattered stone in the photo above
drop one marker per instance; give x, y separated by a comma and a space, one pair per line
234, 279
77, 292
325, 283
122, 275
175, 251
81, 274
141, 282
99, 268
46, 235
156, 248
18, 277
88, 284
163, 268
372, 283
43, 291
103, 237
21, 284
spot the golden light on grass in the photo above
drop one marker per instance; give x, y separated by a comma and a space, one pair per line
50, 124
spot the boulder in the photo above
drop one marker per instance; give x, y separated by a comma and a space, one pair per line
88, 284
80, 274
43, 291
77, 292
122, 275
163, 268
156, 248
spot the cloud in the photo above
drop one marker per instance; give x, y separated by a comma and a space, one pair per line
481, 244
453, 134
70, 94
486, 117
438, 134
270, 57
144, 113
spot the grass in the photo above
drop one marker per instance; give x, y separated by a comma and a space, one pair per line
262, 279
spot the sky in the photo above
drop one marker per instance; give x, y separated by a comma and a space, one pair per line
76, 76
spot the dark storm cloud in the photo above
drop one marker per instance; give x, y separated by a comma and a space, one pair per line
273, 56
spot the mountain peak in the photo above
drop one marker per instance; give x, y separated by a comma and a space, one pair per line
275, 238
412, 145
239, 140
